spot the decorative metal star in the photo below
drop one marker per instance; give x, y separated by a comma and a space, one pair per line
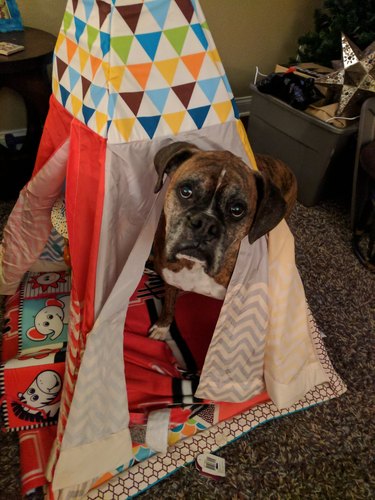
355, 82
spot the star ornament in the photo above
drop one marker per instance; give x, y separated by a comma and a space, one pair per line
355, 81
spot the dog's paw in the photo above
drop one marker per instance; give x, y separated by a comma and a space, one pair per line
157, 332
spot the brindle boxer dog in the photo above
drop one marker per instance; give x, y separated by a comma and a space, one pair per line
212, 202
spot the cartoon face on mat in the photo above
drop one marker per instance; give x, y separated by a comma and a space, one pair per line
50, 320
48, 278
41, 392
44, 281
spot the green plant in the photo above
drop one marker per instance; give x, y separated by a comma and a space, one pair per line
354, 18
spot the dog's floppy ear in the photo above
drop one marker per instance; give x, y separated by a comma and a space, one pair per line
271, 208
170, 158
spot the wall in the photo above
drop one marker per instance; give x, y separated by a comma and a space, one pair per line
247, 33
261, 33
41, 14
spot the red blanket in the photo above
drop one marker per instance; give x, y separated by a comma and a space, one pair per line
153, 377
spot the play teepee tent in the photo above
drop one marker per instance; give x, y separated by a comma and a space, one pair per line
130, 77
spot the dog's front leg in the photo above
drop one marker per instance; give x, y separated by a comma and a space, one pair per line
160, 330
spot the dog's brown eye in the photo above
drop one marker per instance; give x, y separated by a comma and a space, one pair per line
237, 210
186, 191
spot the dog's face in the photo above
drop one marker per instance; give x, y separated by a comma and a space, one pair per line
209, 205
212, 202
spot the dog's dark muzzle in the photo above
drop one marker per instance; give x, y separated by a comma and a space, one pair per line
201, 235
204, 227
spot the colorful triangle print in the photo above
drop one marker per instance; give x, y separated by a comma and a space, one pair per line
64, 94
55, 86
132, 100
74, 77
184, 92
235, 108
85, 85
92, 34
125, 126
222, 110
95, 63
162, 76
150, 42
209, 87
76, 105
214, 55
199, 115
122, 45
88, 6
67, 21
159, 11
80, 27
130, 14
186, 8
174, 120
61, 67
227, 84
106, 69
97, 93
117, 75
105, 42
168, 68
176, 37
149, 123
104, 9
60, 40
141, 72
198, 30
158, 98
83, 58
112, 101
194, 63
87, 113
101, 120
71, 49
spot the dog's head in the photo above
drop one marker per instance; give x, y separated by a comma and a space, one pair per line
212, 202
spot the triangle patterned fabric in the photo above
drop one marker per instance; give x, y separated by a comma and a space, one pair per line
157, 54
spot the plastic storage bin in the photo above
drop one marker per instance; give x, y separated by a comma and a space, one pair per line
314, 150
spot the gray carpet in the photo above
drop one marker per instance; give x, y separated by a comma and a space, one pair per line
326, 452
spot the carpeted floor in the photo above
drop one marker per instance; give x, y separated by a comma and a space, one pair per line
326, 452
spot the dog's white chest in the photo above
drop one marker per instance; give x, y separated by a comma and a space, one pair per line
194, 280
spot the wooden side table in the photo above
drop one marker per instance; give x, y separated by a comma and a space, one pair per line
25, 72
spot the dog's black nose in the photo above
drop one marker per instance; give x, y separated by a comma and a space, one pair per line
205, 226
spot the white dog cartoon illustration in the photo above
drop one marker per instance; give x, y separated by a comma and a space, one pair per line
38, 397
50, 320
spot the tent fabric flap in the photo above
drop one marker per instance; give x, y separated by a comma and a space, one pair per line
99, 406
85, 461
29, 225
291, 365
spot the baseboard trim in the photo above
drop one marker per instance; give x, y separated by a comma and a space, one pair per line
19, 132
243, 104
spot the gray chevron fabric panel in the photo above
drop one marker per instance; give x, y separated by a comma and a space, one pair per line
233, 370
100, 403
